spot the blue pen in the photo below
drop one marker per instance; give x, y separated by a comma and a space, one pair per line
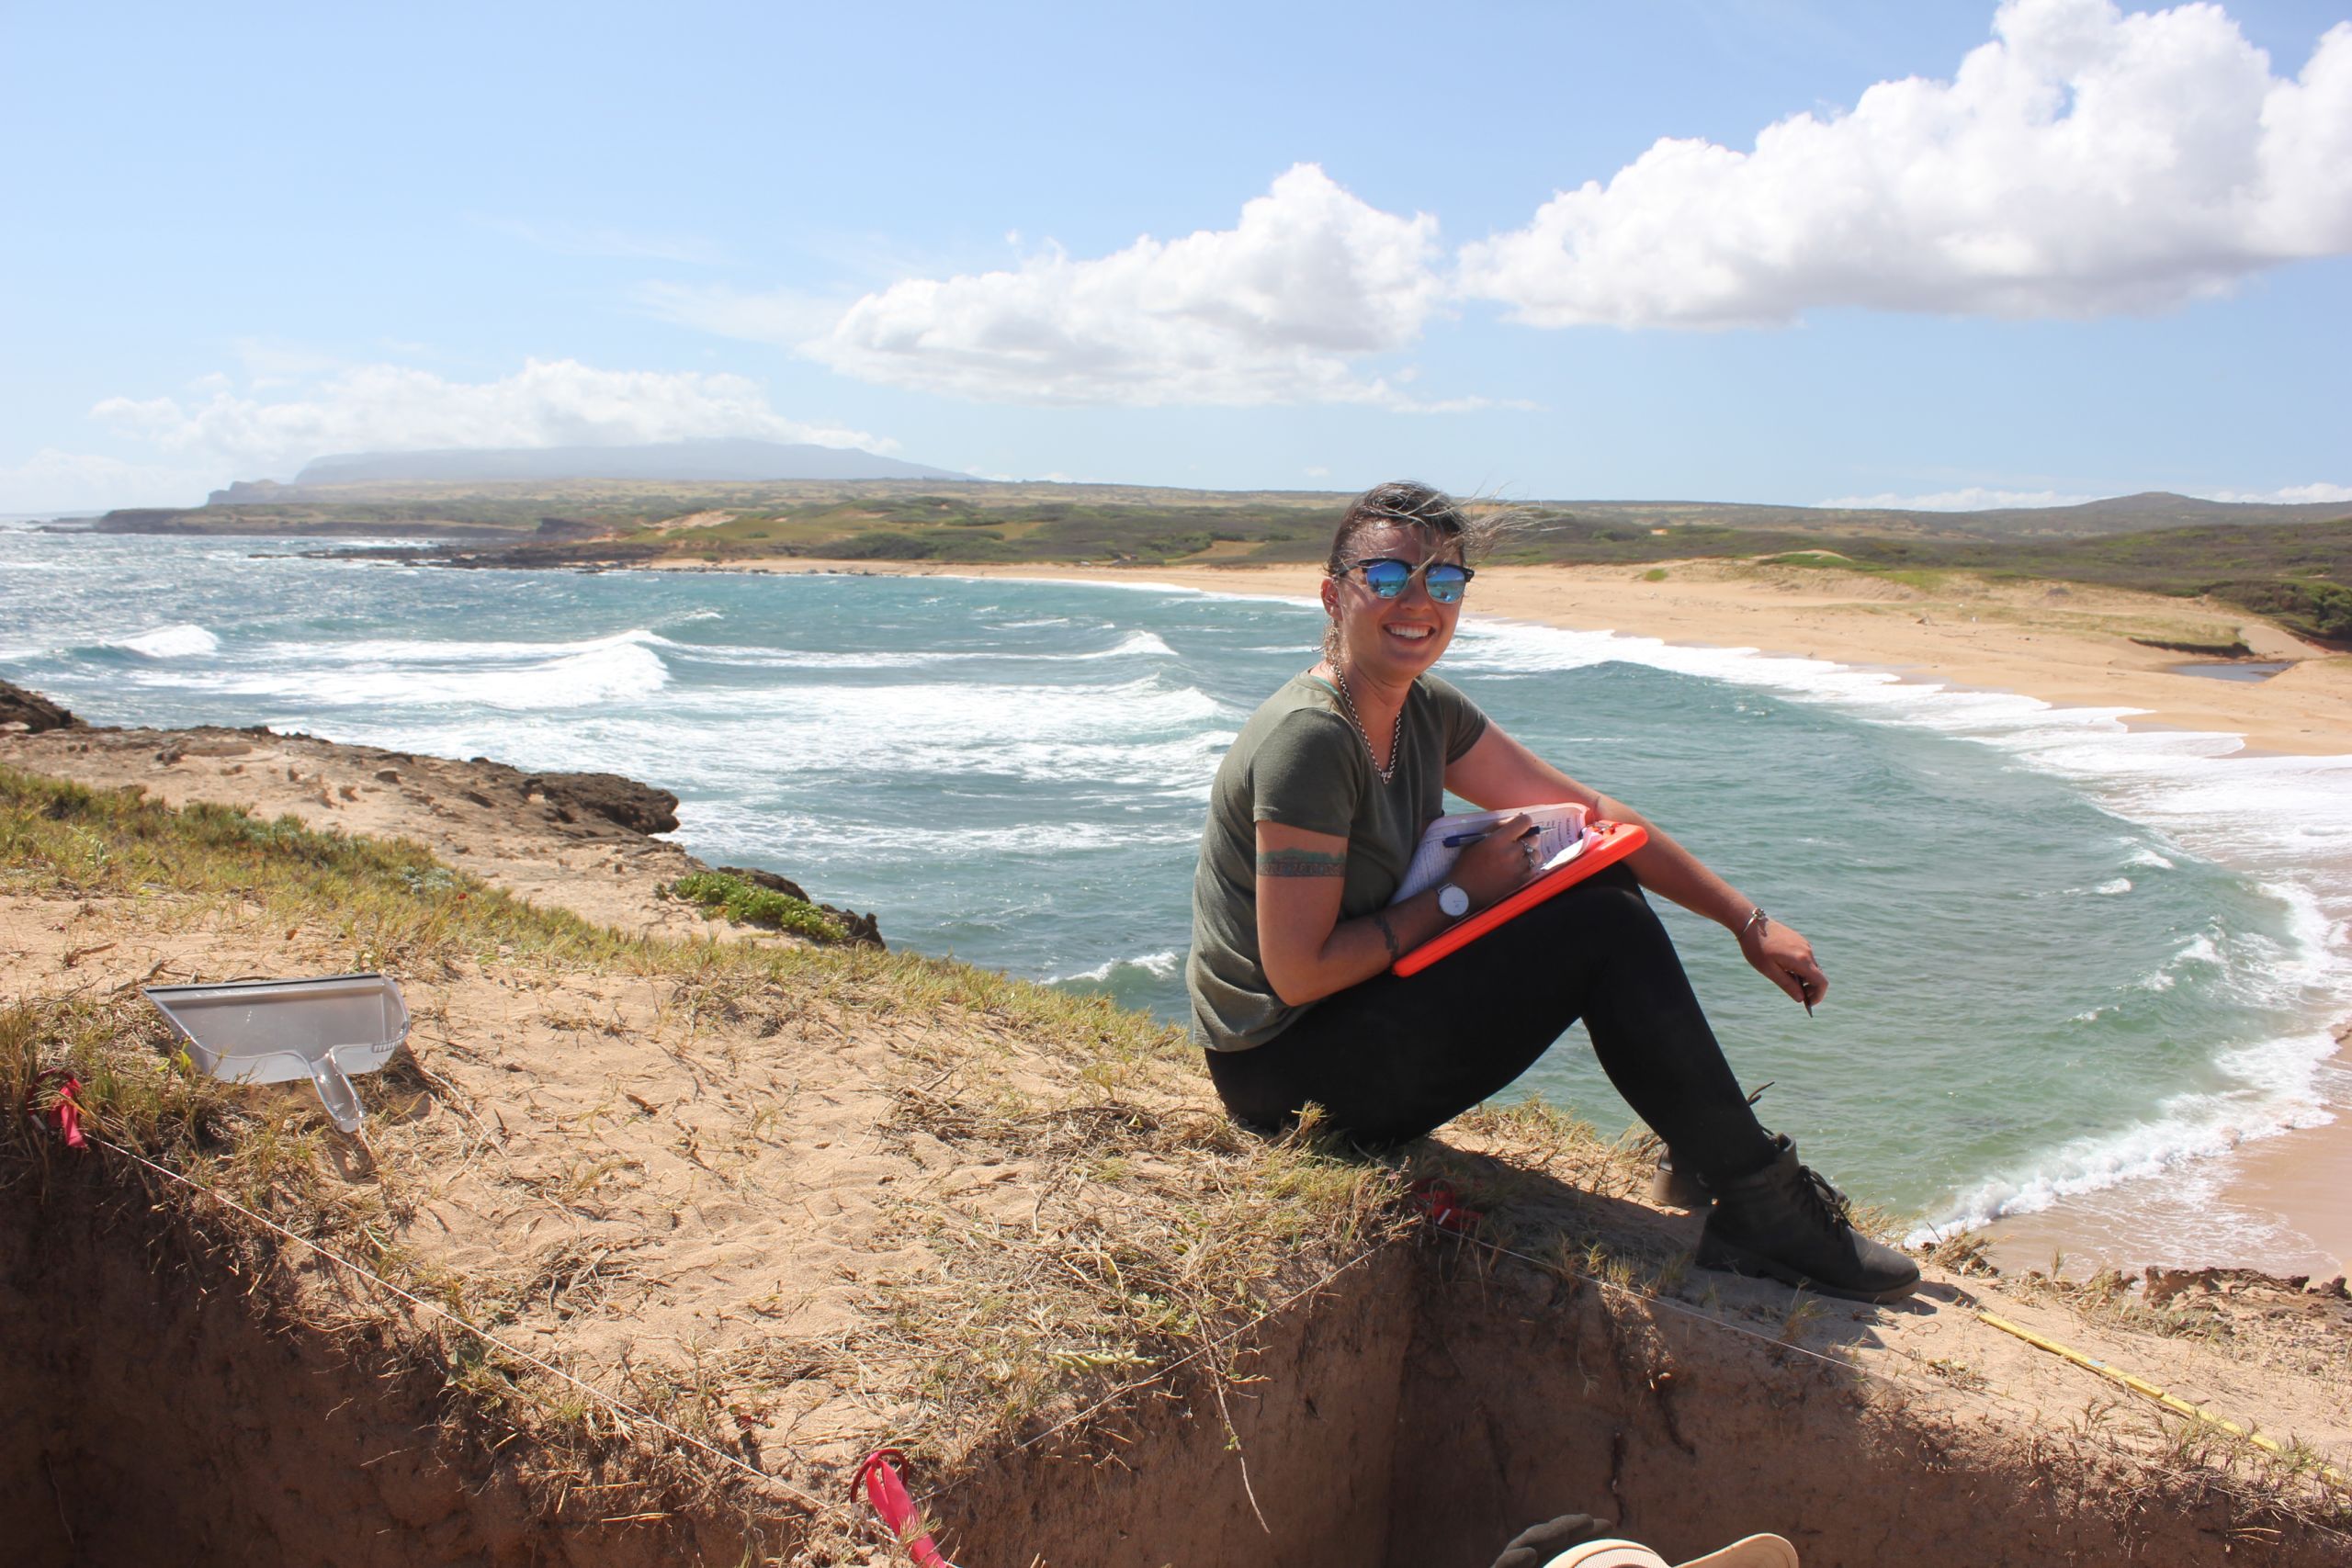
1455, 840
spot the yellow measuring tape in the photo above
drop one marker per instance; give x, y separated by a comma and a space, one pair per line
2143, 1386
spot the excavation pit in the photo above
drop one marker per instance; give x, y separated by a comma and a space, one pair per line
1415, 1412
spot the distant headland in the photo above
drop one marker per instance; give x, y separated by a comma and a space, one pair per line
708, 461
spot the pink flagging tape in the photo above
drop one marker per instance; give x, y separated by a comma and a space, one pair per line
888, 1495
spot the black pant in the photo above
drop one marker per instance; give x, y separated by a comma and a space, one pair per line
1390, 1059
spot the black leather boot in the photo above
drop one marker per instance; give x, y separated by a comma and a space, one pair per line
1790, 1225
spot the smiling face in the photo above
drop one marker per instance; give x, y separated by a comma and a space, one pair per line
1390, 641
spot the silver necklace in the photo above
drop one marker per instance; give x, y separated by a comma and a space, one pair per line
1396, 740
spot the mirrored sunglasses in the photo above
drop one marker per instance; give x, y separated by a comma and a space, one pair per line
1386, 577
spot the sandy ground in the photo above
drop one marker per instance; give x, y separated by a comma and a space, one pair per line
667, 1195
466, 814
673, 1197
670, 1191
2067, 645
663, 1191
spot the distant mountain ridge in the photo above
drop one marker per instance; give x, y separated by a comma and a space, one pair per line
2148, 509
720, 461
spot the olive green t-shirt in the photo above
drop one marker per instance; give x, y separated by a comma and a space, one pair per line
1299, 762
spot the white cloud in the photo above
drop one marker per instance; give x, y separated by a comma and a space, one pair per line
389, 408
2083, 162
2291, 495
1276, 310
1970, 500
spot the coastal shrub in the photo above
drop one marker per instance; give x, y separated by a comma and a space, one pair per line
720, 894
885, 544
2306, 604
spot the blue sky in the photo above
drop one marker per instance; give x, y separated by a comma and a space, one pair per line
1828, 251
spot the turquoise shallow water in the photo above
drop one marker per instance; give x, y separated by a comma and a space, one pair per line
2063, 957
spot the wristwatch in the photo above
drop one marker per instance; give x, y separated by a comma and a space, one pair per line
1451, 901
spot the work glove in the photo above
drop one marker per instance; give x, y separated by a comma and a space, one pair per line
1537, 1544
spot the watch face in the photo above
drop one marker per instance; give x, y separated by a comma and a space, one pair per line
1453, 900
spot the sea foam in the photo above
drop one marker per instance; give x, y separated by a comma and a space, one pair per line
169, 642
510, 676
1160, 965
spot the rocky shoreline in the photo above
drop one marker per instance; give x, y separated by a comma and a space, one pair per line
580, 841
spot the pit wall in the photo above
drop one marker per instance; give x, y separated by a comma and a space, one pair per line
1416, 1414
151, 1415
1529, 1397
1316, 1431
1425, 1410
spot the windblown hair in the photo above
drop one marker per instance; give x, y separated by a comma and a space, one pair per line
1408, 504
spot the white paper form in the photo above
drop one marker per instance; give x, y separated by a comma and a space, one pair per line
1560, 838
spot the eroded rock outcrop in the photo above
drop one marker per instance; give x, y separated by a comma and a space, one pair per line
35, 712
640, 807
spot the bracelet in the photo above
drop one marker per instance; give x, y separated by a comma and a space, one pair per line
1756, 918
1395, 952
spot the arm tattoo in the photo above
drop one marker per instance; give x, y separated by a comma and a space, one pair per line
1388, 936
1301, 862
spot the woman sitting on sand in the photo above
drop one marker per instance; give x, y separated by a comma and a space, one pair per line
1315, 815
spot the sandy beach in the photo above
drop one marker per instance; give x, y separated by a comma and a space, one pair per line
2068, 645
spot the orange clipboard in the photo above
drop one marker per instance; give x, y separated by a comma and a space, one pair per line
1607, 843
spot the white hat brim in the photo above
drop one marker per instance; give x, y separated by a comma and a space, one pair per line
1754, 1551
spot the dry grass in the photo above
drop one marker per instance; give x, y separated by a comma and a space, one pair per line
1139, 1231
1966, 1253
1142, 1230
2108, 1299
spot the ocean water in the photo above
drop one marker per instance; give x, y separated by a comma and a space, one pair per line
2065, 958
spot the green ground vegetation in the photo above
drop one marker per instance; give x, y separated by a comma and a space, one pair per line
719, 894
2294, 573
2293, 564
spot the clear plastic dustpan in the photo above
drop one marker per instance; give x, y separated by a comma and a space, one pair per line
278, 1031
